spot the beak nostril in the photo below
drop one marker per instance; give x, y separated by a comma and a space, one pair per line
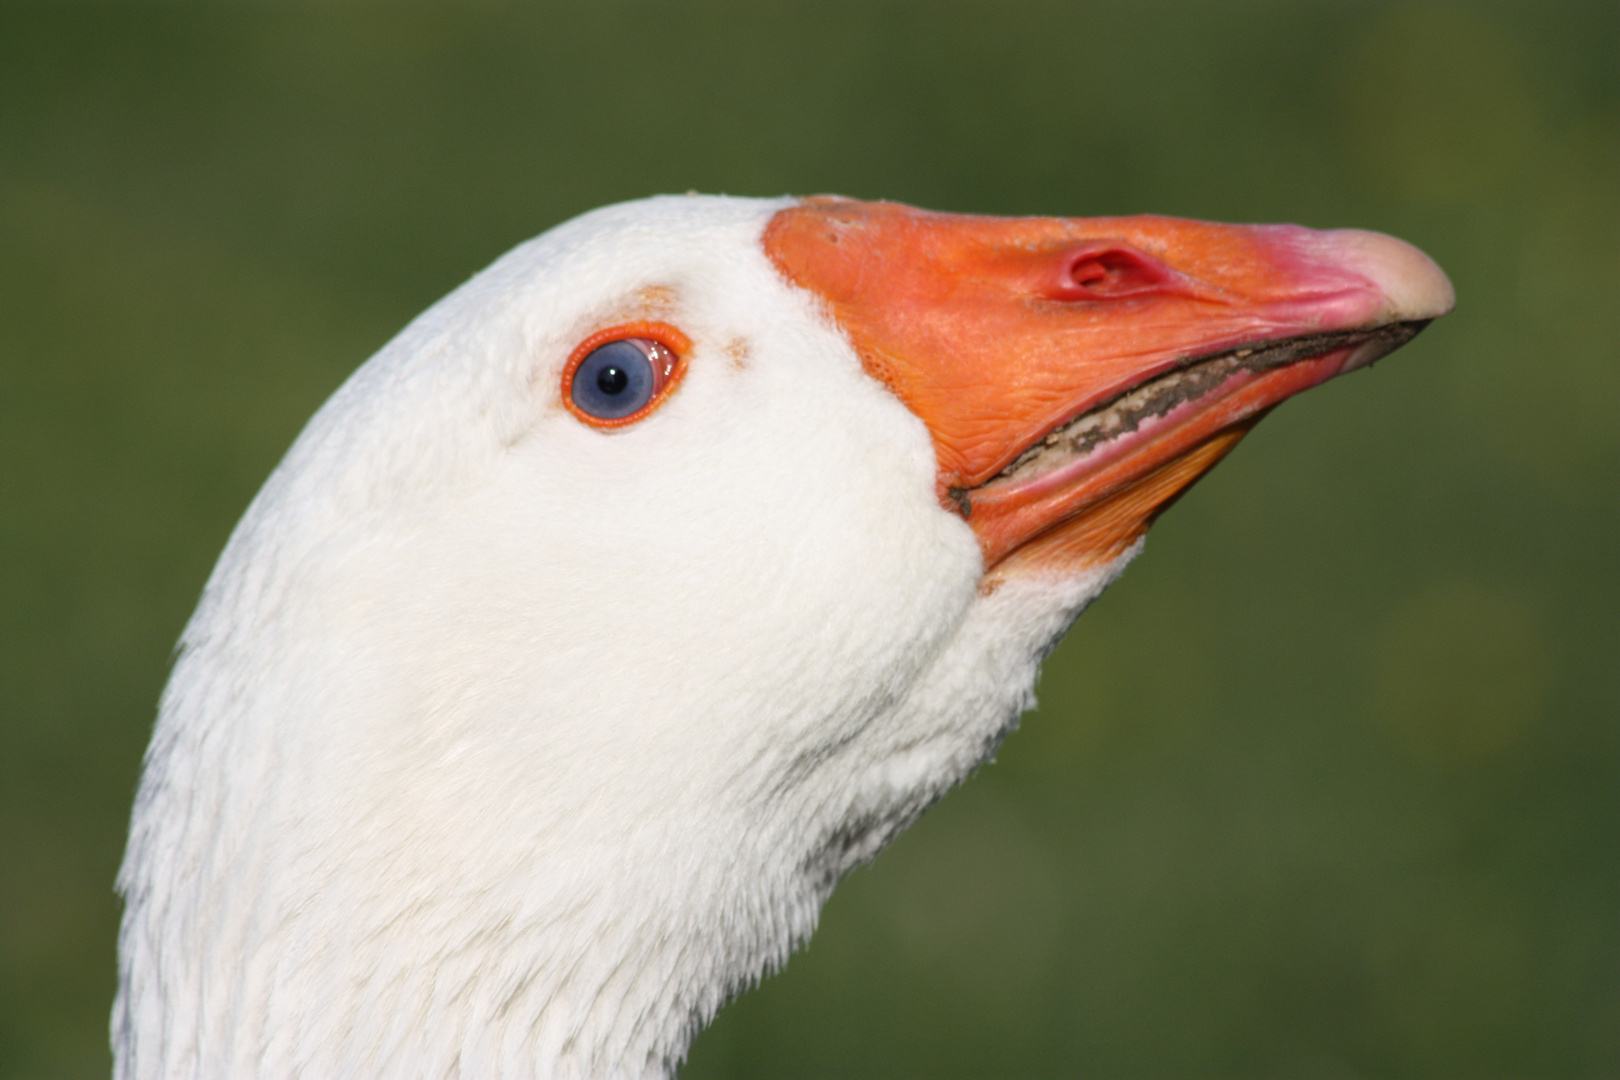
1091, 273
1107, 273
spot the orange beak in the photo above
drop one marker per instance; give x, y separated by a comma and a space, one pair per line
1077, 374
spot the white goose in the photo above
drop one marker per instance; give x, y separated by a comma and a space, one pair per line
651, 581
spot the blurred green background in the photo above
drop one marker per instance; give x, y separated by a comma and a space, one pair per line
1327, 786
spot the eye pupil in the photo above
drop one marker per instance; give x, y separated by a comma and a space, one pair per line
612, 380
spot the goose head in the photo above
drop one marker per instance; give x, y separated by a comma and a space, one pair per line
651, 581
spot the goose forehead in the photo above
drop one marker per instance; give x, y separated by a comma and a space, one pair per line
696, 262
680, 242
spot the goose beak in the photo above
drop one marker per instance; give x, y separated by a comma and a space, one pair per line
1077, 374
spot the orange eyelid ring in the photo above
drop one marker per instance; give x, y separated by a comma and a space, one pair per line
668, 356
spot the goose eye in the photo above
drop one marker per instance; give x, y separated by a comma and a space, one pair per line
617, 380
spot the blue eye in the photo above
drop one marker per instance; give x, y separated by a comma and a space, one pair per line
614, 381
620, 380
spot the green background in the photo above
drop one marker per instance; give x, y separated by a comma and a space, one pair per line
1327, 786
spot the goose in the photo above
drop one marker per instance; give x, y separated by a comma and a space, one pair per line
651, 581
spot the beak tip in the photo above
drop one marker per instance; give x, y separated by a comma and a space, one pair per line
1413, 284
